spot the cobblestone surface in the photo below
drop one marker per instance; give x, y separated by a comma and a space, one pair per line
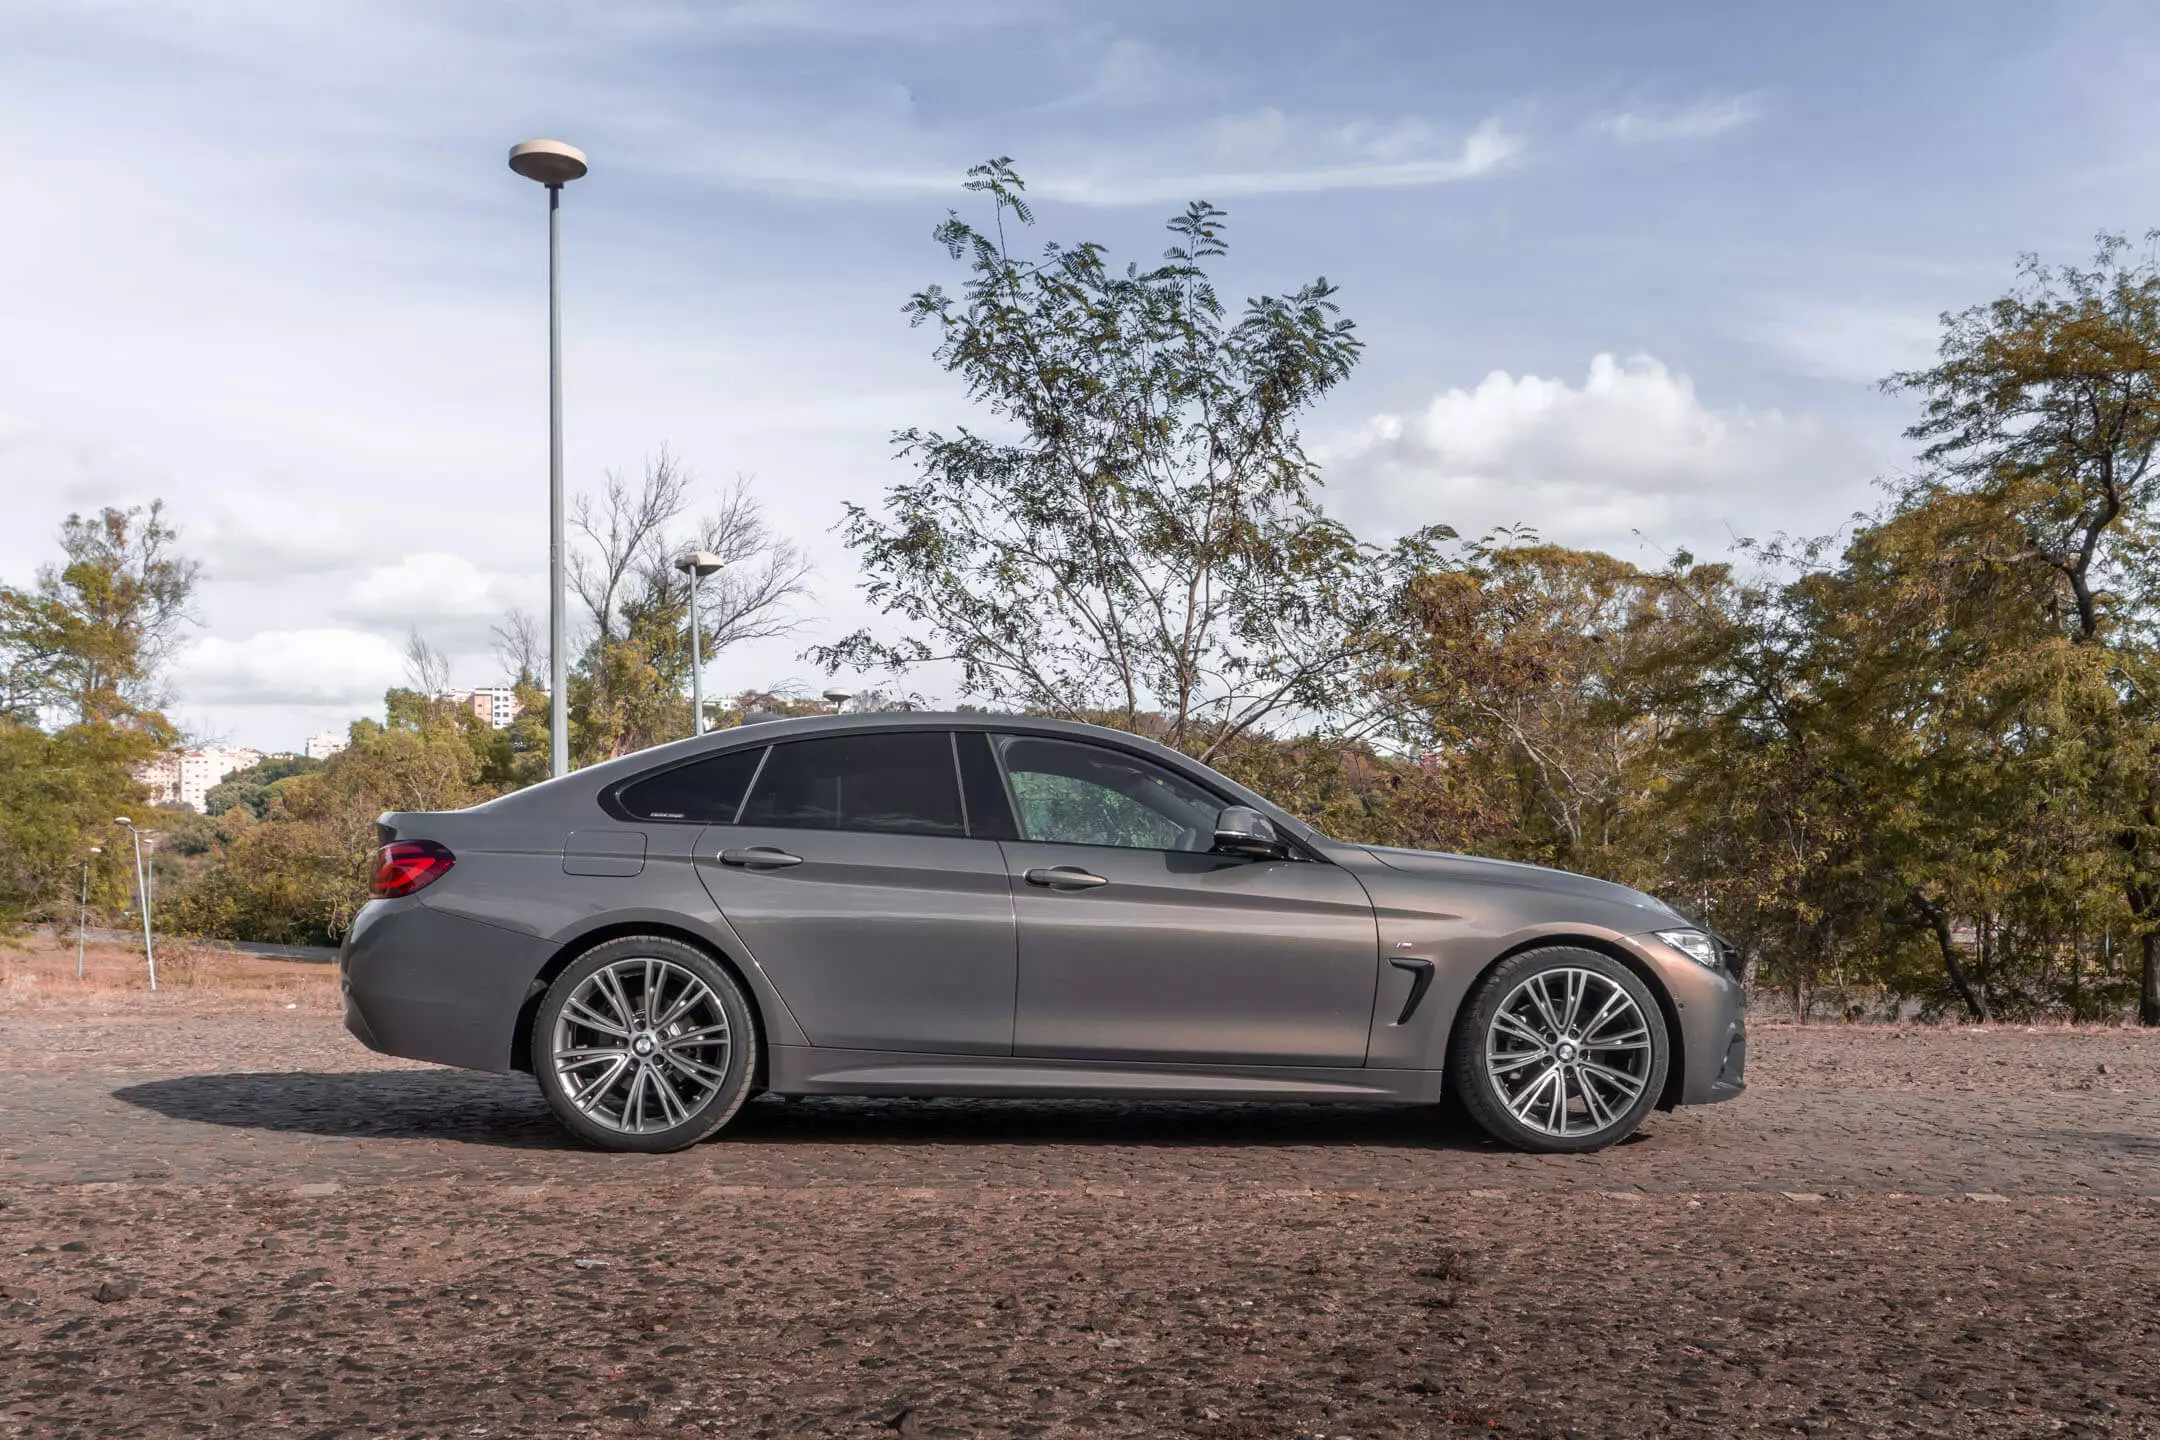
221, 1216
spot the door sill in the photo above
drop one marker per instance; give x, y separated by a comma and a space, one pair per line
816, 1070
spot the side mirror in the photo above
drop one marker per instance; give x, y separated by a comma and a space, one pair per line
1242, 830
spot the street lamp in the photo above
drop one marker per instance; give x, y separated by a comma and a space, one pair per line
697, 565
839, 698
82, 916
142, 887
554, 165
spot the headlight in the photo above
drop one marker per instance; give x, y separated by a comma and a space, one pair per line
1695, 945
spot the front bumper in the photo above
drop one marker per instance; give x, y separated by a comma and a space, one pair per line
1711, 1008
424, 985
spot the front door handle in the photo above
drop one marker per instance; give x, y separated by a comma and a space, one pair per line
1063, 877
760, 857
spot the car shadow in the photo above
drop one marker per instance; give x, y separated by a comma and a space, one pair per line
506, 1111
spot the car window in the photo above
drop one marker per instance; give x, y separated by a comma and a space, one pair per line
1069, 793
708, 791
900, 783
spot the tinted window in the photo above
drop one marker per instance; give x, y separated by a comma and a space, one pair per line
899, 784
707, 791
1074, 794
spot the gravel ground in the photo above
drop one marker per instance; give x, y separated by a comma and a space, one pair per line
220, 1215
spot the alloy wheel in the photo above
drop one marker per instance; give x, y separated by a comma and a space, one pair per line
1568, 1052
641, 1045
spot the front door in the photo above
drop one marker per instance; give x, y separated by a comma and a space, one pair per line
850, 876
1137, 943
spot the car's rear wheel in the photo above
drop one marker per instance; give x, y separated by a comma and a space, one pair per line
1559, 1050
644, 1043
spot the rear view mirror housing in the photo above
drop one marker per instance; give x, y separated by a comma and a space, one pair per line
1242, 830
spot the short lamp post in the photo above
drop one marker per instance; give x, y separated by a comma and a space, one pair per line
697, 565
143, 840
82, 916
838, 698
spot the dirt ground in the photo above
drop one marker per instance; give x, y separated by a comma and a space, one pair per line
219, 1215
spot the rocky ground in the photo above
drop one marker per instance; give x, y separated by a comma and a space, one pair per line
219, 1215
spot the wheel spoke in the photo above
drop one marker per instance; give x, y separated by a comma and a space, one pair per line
592, 1019
1628, 1085
588, 1097
1600, 1114
1516, 1028
1543, 1002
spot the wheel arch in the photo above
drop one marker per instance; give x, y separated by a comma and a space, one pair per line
1675, 1050
567, 953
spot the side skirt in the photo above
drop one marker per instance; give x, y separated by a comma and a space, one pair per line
815, 1070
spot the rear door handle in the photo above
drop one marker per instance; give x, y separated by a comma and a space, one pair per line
760, 857
1063, 877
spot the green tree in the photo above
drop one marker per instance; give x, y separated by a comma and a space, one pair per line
2044, 407
1138, 533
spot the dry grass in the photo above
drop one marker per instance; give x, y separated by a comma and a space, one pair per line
37, 970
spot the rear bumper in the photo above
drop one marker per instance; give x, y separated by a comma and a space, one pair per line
428, 986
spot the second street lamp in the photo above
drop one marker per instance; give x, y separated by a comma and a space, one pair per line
82, 916
554, 165
142, 887
697, 565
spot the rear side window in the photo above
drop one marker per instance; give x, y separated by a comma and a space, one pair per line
706, 792
894, 783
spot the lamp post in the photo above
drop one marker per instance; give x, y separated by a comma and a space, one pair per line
839, 698
554, 165
82, 916
697, 565
142, 887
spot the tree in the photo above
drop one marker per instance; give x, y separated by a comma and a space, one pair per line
90, 640
1147, 540
2044, 406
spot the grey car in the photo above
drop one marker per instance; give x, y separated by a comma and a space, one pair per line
913, 904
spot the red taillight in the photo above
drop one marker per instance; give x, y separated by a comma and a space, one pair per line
404, 866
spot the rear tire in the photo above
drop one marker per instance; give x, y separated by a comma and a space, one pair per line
1559, 1050
644, 1044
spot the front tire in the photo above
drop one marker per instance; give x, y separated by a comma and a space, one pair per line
1559, 1051
645, 1044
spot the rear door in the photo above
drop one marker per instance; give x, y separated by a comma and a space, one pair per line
850, 875
1137, 943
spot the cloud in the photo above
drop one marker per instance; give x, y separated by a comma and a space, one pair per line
425, 588
1712, 115
326, 667
1633, 448
1857, 343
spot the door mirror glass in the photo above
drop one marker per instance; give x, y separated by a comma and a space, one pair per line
1242, 830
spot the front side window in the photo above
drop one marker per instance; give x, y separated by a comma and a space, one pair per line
1069, 793
892, 783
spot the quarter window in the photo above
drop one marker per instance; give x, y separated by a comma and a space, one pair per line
1075, 794
705, 791
894, 783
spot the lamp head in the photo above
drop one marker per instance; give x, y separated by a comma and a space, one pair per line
550, 162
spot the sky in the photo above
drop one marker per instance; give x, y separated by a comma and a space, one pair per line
1628, 275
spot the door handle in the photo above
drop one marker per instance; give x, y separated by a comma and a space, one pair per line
1063, 877
760, 857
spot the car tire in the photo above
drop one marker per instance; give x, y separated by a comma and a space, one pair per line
644, 1043
1559, 1050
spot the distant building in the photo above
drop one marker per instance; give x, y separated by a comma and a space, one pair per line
201, 770
324, 745
495, 705
162, 774
186, 777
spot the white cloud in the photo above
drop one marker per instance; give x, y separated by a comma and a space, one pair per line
1631, 449
327, 667
423, 589
1712, 115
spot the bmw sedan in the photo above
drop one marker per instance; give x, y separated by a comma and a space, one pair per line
911, 904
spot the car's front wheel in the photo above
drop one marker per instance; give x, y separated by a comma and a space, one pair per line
1559, 1050
644, 1043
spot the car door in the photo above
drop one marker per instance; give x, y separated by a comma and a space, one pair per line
1137, 943
850, 875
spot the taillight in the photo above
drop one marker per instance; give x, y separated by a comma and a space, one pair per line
404, 866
